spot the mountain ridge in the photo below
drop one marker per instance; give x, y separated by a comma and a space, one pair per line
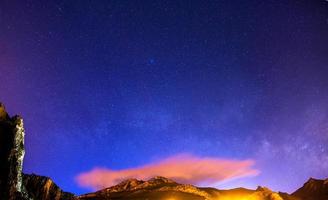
141, 189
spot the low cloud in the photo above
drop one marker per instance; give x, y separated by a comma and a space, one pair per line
181, 168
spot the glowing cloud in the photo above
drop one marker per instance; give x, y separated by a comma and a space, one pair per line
181, 168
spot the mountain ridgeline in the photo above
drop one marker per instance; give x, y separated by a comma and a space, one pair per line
14, 185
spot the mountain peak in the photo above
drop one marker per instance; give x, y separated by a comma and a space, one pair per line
130, 181
160, 179
128, 184
312, 182
317, 181
311, 179
313, 187
133, 184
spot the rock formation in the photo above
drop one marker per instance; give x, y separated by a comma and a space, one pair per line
43, 188
14, 185
11, 155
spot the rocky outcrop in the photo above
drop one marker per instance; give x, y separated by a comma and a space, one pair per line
11, 155
43, 188
13, 184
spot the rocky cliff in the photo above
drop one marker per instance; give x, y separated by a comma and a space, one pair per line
11, 155
14, 185
43, 188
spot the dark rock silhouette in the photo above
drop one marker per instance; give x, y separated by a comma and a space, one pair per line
14, 185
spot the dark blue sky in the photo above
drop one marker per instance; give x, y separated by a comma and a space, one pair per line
118, 84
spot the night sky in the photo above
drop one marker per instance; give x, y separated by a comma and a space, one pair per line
120, 84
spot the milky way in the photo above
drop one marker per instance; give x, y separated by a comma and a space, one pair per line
118, 85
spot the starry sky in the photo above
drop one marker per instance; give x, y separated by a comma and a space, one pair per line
121, 84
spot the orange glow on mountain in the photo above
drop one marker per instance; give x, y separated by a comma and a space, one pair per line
181, 168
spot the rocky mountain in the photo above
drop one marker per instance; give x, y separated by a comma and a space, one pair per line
160, 188
313, 189
155, 188
14, 185
41, 187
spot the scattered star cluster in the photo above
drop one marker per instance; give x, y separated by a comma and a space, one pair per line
120, 84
